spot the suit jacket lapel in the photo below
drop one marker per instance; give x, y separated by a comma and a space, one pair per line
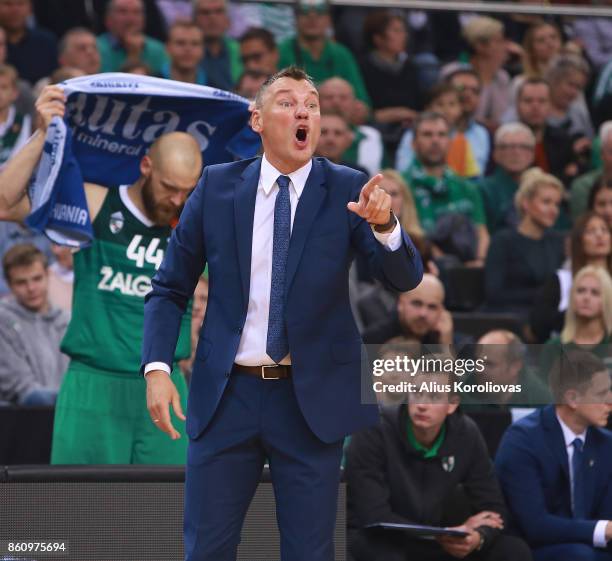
245, 192
556, 440
312, 197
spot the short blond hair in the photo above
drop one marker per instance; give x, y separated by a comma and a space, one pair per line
481, 28
531, 181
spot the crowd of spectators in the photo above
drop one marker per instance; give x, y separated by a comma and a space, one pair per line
494, 138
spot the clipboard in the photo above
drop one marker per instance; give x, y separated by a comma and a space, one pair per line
419, 530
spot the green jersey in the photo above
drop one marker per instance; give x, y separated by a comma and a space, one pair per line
111, 279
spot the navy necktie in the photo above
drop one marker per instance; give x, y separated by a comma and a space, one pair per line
578, 480
277, 345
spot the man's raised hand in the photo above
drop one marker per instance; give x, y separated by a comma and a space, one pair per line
374, 203
50, 103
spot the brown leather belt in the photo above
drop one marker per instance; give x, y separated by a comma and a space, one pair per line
271, 372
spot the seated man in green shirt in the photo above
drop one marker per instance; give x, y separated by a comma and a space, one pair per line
425, 463
514, 145
125, 41
321, 57
439, 191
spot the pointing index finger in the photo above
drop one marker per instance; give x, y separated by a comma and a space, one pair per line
371, 184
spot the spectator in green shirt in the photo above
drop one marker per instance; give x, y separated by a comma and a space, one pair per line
125, 42
437, 189
221, 62
514, 146
581, 186
321, 57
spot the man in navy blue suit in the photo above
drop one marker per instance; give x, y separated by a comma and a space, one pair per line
277, 368
555, 466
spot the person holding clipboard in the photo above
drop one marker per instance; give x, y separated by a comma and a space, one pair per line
421, 485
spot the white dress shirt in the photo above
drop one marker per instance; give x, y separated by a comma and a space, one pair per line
599, 534
252, 347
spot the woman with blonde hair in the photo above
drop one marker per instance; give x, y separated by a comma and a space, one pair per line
520, 259
588, 319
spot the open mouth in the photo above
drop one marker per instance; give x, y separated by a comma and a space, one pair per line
301, 134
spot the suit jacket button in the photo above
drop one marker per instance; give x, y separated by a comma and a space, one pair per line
227, 374
239, 331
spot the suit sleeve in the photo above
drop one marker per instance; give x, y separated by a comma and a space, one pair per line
518, 470
400, 270
175, 281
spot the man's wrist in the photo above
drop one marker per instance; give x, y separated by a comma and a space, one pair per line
385, 228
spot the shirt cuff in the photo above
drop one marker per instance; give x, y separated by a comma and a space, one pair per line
157, 366
599, 534
390, 240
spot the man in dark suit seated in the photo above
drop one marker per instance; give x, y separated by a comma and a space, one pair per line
555, 466
426, 463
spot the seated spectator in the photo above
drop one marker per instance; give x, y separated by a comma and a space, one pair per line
31, 50
77, 49
366, 149
390, 76
590, 244
185, 48
12, 233
555, 466
125, 42
419, 316
582, 186
469, 147
520, 260
438, 191
443, 99
250, 83
541, 44
504, 356
554, 150
31, 365
588, 318
335, 139
488, 54
321, 57
477, 137
600, 200
25, 99
15, 128
513, 154
61, 278
425, 463
568, 75
221, 62
258, 51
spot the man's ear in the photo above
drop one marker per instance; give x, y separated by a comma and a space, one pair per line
146, 165
256, 121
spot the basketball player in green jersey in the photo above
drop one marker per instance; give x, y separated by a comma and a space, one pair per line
101, 415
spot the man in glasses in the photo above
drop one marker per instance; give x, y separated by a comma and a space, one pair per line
258, 51
513, 153
313, 50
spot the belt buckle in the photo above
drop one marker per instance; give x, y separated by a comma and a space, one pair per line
263, 372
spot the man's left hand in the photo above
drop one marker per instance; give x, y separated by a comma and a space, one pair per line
460, 547
374, 203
